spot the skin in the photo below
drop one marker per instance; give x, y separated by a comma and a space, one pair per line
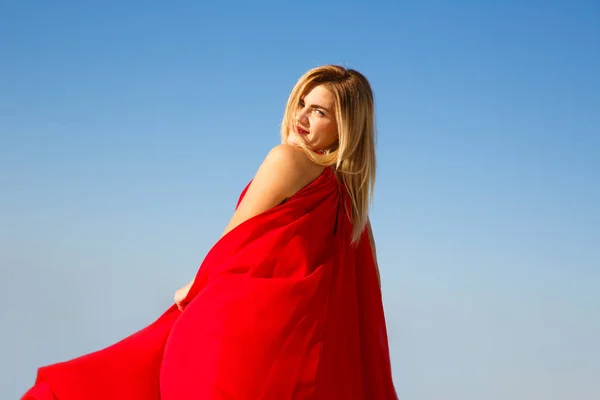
316, 117
287, 169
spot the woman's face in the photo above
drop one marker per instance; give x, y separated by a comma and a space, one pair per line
314, 121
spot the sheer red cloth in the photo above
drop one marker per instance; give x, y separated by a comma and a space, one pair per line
282, 307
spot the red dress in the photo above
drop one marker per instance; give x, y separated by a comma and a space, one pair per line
282, 307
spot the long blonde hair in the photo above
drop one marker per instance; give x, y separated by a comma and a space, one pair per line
353, 155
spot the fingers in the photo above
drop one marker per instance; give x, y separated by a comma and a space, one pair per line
180, 305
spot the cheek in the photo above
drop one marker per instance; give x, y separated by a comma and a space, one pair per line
327, 133
325, 127
332, 130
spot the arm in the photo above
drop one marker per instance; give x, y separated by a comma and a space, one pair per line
284, 171
373, 249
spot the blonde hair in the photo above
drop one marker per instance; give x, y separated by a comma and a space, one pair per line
353, 155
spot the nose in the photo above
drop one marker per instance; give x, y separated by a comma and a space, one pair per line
301, 116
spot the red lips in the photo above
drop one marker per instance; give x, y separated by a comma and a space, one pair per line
301, 131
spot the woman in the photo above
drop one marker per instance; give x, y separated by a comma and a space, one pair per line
287, 304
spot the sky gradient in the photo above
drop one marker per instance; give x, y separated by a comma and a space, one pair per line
128, 129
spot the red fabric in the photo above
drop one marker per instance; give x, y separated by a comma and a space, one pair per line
282, 308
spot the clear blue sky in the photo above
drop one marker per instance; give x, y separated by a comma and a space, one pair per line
127, 130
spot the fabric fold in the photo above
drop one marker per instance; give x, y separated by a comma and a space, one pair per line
282, 307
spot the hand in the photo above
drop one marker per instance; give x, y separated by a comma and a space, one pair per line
181, 294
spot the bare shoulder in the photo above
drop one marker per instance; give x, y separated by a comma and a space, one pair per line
284, 171
292, 155
291, 165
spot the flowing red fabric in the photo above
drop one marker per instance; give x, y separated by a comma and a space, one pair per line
282, 307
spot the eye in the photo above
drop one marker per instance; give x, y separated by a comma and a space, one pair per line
320, 113
301, 103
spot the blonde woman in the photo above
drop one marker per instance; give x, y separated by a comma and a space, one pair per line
287, 304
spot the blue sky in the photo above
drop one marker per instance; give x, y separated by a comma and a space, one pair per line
127, 130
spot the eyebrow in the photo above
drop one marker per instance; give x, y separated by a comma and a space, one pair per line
317, 106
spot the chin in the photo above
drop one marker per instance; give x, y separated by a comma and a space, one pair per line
291, 140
